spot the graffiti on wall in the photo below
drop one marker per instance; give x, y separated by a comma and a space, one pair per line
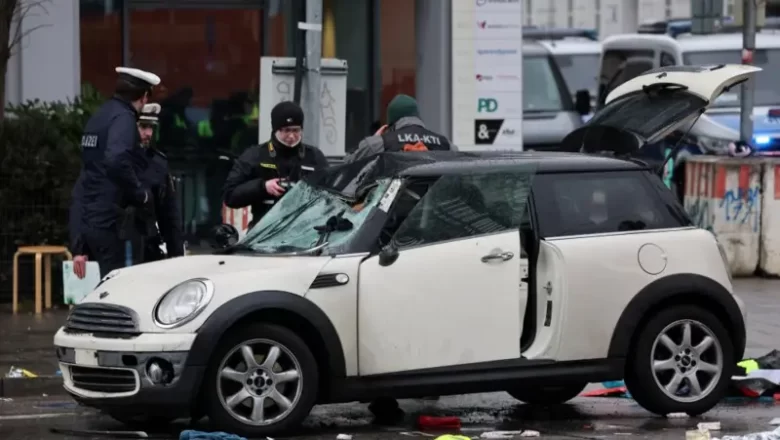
742, 206
699, 212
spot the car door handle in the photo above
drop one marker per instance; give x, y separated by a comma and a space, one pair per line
503, 256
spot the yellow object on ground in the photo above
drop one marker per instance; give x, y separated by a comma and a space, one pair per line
749, 365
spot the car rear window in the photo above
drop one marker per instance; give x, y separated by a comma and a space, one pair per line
602, 203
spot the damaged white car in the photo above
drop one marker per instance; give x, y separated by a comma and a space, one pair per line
418, 274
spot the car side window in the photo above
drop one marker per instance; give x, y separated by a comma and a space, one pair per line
599, 203
462, 206
667, 59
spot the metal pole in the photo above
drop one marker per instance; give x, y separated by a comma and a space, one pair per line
748, 47
313, 29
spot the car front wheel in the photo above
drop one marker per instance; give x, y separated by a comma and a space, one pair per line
262, 381
680, 362
547, 395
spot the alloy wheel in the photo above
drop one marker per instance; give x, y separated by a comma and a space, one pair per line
259, 382
686, 360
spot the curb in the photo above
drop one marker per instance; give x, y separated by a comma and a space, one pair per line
29, 387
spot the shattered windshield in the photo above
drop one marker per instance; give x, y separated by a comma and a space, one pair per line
307, 217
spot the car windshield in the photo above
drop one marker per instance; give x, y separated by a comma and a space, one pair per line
307, 217
766, 91
579, 71
543, 86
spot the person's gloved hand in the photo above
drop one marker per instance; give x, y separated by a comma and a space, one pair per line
80, 266
739, 149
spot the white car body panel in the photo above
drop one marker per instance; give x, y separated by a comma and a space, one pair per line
140, 287
612, 280
440, 305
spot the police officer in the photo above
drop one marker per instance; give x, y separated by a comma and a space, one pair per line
262, 174
167, 230
405, 131
109, 181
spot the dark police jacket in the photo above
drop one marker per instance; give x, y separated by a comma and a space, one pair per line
405, 135
167, 213
111, 165
245, 185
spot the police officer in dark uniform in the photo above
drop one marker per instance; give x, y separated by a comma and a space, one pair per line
262, 174
109, 182
166, 230
405, 131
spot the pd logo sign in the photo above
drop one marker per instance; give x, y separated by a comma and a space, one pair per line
487, 105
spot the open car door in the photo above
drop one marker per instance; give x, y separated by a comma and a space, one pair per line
647, 108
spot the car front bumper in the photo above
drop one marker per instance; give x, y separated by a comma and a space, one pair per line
113, 374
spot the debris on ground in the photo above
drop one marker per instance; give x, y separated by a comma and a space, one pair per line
19, 373
433, 422
416, 433
775, 421
6, 399
343, 437
191, 434
99, 433
709, 426
677, 415
697, 434
508, 434
765, 435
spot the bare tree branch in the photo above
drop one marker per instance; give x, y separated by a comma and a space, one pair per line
23, 10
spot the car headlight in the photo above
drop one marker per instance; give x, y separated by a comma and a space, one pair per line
183, 303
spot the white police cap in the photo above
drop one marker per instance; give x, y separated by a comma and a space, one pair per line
149, 78
150, 113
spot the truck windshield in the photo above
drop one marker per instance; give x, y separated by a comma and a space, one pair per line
307, 217
579, 71
544, 88
767, 93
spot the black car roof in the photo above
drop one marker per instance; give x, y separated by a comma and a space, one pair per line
448, 163
349, 179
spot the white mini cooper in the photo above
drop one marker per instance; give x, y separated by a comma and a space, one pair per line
417, 274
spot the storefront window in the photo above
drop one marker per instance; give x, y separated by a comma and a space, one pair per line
398, 58
209, 63
101, 43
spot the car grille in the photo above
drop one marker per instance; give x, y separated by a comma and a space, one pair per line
102, 320
103, 380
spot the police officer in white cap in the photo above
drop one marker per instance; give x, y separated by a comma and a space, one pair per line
166, 239
109, 182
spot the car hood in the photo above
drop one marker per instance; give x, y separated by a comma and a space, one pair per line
140, 287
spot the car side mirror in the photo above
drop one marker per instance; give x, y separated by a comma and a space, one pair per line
388, 255
224, 236
582, 102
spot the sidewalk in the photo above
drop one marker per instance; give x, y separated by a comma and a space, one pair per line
26, 340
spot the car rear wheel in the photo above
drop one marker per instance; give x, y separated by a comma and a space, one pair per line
262, 381
547, 395
680, 362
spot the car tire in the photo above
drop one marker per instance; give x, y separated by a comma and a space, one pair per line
233, 390
547, 395
660, 373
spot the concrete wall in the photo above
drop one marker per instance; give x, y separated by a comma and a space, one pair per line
46, 63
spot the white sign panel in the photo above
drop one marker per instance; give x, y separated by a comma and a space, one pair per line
487, 74
277, 84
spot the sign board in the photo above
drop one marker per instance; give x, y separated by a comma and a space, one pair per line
739, 7
75, 288
277, 84
487, 74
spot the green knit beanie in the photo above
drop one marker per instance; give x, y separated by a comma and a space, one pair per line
400, 107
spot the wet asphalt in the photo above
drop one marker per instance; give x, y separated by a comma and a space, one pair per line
584, 418
26, 342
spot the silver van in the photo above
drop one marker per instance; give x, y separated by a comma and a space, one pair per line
549, 111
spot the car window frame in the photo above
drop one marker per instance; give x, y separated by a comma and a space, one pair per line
549, 212
529, 211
